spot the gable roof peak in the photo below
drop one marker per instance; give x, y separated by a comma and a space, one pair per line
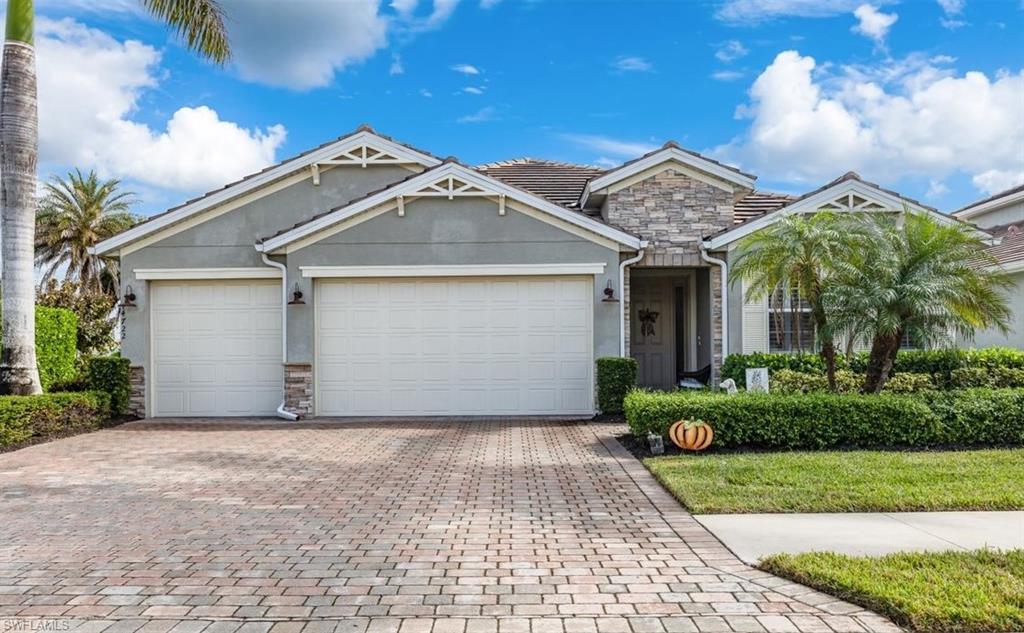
670, 144
365, 127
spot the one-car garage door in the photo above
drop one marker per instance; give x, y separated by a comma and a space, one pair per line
466, 346
216, 347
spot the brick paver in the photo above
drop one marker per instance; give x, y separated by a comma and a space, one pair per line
412, 527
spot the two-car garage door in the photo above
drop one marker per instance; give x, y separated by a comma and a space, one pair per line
383, 347
454, 346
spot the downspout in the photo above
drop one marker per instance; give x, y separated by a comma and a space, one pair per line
725, 299
622, 291
281, 412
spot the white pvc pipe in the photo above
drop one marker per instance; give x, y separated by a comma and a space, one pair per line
281, 411
725, 301
622, 302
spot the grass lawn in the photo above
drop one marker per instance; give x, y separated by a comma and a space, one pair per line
853, 481
942, 591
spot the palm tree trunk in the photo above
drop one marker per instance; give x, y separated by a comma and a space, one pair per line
18, 156
883, 354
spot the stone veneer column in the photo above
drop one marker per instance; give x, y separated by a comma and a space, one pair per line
137, 398
716, 326
298, 389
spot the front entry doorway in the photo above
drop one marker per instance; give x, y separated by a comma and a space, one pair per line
665, 328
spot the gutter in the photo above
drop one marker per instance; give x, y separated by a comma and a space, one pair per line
281, 411
725, 298
622, 303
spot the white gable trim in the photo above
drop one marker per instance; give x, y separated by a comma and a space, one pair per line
991, 205
155, 274
486, 185
363, 138
819, 200
668, 154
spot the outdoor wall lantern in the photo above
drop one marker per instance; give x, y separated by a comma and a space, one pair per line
128, 298
609, 292
296, 297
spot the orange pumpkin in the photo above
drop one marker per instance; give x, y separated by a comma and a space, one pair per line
691, 435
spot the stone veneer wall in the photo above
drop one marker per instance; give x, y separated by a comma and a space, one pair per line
137, 398
674, 211
298, 389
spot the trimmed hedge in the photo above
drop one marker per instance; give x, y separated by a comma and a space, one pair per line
616, 376
111, 375
23, 418
56, 350
940, 363
826, 420
996, 377
789, 381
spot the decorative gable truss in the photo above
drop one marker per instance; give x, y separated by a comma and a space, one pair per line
364, 155
449, 180
451, 187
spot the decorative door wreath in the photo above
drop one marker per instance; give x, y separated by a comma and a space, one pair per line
647, 320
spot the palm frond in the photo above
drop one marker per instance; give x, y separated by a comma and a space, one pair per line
199, 23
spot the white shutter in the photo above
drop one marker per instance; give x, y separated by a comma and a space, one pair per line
755, 323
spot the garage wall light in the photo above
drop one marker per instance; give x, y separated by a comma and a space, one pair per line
609, 293
296, 297
128, 298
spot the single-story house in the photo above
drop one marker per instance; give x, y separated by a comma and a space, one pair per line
366, 277
1002, 215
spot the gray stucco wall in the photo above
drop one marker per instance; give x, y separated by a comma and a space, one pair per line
228, 240
1006, 215
441, 232
990, 338
735, 309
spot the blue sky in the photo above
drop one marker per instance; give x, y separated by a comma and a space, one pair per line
923, 96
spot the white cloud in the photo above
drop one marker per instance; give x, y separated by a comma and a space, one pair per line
442, 10
482, 115
726, 75
404, 8
754, 11
936, 189
627, 64
731, 51
89, 86
396, 67
474, 90
910, 120
466, 69
489, 4
873, 23
426, 93
280, 44
996, 180
951, 7
609, 146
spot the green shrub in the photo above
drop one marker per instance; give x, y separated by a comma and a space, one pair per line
736, 365
996, 377
56, 345
111, 375
978, 416
23, 418
615, 378
789, 381
809, 421
909, 382
938, 363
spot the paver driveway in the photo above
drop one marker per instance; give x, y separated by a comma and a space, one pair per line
511, 526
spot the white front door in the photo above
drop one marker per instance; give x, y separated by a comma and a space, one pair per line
216, 347
455, 346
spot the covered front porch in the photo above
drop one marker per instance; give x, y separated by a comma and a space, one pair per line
671, 324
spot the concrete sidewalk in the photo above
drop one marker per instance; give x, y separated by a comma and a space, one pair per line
753, 536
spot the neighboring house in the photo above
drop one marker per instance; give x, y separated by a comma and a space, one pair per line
369, 278
1002, 215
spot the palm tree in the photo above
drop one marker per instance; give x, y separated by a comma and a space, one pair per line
200, 23
920, 277
74, 216
796, 255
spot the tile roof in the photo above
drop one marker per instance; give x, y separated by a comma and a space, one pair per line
561, 183
1010, 249
759, 203
991, 198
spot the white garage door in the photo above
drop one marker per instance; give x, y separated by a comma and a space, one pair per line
216, 347
480, 346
